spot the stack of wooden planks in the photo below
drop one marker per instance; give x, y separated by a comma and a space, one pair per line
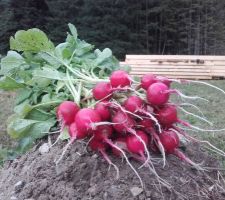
177, 66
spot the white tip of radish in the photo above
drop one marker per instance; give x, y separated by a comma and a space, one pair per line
196, 116
190, 97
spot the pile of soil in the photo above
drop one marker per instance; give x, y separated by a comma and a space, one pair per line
84, 175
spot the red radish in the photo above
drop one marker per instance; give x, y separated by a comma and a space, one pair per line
121, 143
96, 145
120, 78
164, 80
183, 157
108, 141
154, 146
114, 107
122, 122
84, 119
103, 110
157, 94
183, 81
155, 143
194, 140
66, 112
147, 80
167, 115
169, 140
102, 90
146, 124
75, 134
135, 104
134, 145
103, 131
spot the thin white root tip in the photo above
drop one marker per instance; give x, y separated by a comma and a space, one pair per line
145, 147
206, 130
111, 163
190, 97
56, 140
125, 111
63, 153
210, 85
153, 119
194, 106
196, 116
160, 180
128, 162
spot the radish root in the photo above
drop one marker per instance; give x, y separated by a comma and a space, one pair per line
132, 131
128, 162
105, 156
196, 116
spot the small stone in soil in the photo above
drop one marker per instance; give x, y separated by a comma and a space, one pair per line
136, 191
148, 193
142, 197
94, 156
44, 148
92, 190
18, 186
105, 196
156, 195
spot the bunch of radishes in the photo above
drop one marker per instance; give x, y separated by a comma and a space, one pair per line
128, 118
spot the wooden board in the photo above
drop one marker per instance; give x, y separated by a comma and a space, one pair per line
178, 77
193, 71
177, 66
175, 73
147, 62
176, 57
169, 67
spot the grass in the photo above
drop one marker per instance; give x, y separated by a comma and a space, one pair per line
214, 111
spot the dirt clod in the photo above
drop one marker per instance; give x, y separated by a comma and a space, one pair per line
18, 186
44, 148
136, 191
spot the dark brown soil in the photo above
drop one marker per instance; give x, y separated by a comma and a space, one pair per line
86, 176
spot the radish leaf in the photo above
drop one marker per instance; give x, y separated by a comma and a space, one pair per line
33, 40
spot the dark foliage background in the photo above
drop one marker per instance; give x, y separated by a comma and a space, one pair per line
125, 26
